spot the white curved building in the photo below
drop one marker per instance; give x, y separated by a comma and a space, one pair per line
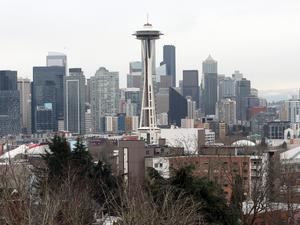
25, 150
243, 143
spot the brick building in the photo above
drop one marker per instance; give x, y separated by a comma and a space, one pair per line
221, 169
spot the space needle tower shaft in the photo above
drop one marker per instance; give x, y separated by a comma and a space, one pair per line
148, 129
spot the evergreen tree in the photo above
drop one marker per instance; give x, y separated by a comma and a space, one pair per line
213, 203
77, 166
81, 161
58, 159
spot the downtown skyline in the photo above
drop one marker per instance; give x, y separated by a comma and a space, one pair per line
259, 39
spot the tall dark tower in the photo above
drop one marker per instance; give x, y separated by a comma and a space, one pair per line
148, 129
9, 104
210, 85
169, 56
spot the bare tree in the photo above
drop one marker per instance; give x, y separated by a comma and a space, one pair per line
142, 209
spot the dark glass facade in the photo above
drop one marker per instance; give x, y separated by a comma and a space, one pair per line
243, 91
169, 59
177, 107
48, 89
190, 85
210, 93
75, 101
10, 120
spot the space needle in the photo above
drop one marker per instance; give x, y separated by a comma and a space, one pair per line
148, 129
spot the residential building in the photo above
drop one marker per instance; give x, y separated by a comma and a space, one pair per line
226, 111
104, 97
218, 168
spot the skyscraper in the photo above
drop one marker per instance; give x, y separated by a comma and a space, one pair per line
291, 111
47, 98
148, 122
190, 85
24, 87
177, 107
169, 59
134, 78
132, 101
226, 88
9, 103
226, 111
191, 108
104, 97
75, 101
243, 91
210, 85
56, 59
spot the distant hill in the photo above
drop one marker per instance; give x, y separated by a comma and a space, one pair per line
278, 95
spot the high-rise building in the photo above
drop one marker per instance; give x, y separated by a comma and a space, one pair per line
88, 122
162, 103
226, 111
210, 85
148, 129
88, 91
177, 107
47, 98
226, 88
132, 101
237, 75
254, 92
24, 87
104, 97
169, 59
74, 85
56, 59
291, 109
243, 88
9, 104
134, 78
136, 67
190, 85
191, 108
162, 80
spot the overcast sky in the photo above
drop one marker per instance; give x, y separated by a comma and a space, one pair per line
261, 38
